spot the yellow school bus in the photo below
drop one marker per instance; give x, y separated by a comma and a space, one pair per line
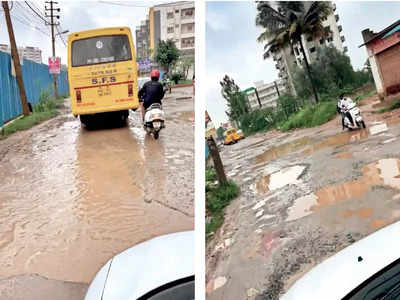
102, 73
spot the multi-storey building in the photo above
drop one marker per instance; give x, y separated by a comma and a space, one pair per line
143, 40
174, 21
286, 59
265, 94
31, 53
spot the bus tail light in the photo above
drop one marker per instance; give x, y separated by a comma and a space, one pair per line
78, 96
130, 90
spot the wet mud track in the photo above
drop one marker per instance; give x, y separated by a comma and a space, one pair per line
71, 198
305, 195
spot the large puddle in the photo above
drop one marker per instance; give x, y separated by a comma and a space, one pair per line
311, 145
383, 172
72, 198
277, 180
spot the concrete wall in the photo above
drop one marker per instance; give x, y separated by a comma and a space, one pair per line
375, 72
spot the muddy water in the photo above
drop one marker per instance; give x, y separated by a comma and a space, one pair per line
311, 145
72, 198
276, 152
279, 179
383, 172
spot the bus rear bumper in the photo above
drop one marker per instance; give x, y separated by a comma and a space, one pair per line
98, 110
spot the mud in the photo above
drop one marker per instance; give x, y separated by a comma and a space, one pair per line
36, 287
71, 198
279, 230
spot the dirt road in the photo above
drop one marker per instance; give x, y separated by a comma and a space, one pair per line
305, 195
71, 198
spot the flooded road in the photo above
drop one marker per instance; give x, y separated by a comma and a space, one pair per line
305, 195
71, 198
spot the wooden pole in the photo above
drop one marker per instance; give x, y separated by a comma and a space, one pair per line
15, 58
219, 167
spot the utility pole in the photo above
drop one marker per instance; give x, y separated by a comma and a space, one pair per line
258, 98
52, 24
277, 90
15, 58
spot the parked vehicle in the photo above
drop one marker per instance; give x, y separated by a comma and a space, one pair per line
159, 269
355, 114
102, 73
368, 269
232, 136
154, 120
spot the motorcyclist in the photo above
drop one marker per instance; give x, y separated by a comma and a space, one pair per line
342, 108
165, 82
151, 92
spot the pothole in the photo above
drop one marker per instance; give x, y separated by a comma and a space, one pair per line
277, 180
384, 172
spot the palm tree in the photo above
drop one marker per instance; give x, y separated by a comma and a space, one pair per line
285, 25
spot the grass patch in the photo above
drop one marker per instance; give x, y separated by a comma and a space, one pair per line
183, 82
217, 198
310, 116
361, 97
395, 105
211, 175
42, 111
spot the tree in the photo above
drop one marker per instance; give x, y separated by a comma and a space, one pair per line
166, 54
229, 87
185, 63
334, 74
220, 133
285, 26
236, 100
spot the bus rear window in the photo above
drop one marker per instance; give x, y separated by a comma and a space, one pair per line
100, 49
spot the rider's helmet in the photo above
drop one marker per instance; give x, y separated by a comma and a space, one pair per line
155, 75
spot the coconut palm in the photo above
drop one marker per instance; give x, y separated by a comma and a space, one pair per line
285, 22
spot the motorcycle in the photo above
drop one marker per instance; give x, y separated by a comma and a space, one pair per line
166, 83
356, 116
154, 120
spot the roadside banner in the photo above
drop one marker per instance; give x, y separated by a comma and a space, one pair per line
54, 65
145, 65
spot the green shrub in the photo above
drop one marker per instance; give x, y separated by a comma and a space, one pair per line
258, 120
361, 97
324, 113
214, 223
395, 105
175, 77
46, 102
44, 110
217, 198
220, 196
27, 122
311, 116
211, 175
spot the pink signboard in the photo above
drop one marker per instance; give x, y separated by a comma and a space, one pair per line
379, 45
54, 65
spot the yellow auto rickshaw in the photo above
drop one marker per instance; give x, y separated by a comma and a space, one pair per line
232, 136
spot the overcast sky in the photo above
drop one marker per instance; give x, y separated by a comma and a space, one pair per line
74, 16
231, 46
